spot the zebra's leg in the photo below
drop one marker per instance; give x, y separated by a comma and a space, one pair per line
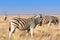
27, 32
13, 28
11, 32
31, 29
49, 24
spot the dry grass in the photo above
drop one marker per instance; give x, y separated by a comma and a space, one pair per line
40, 32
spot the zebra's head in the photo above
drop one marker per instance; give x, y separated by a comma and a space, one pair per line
38, 19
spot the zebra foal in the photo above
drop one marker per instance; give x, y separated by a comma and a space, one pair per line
24, 24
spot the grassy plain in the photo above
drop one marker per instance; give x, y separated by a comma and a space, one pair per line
40, 32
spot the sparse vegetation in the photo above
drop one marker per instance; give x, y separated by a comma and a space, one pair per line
40, 32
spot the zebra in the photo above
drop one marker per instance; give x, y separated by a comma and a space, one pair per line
5, 17
24, 24
49, 20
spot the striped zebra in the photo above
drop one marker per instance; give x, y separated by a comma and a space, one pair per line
49, 20
24, 24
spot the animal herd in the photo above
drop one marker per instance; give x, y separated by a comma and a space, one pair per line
29, 24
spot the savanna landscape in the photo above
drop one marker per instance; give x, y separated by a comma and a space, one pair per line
40, 32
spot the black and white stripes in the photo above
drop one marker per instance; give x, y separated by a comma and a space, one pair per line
24, 24
50, 19
30, 23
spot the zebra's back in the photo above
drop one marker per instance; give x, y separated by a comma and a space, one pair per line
22, 23
45, 19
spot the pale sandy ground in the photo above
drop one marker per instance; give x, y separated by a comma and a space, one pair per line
40, 32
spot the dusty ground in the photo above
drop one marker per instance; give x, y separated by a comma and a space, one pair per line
40, 32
